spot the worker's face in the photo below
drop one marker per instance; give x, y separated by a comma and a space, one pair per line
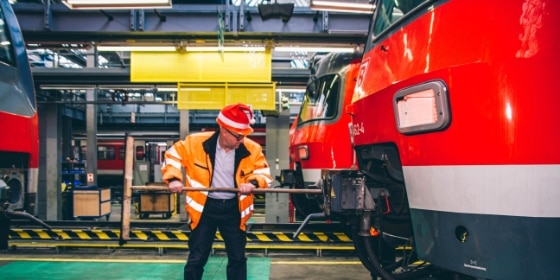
232, 140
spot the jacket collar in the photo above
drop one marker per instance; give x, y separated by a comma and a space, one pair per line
210, 144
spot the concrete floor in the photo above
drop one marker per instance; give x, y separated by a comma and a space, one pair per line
85, 265
123, 264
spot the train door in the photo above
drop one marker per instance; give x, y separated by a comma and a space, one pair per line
142, 168
155, 152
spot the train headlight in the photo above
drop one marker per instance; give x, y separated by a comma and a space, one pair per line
422, 108
303, 152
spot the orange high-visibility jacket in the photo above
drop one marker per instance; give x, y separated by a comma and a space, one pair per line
196, 154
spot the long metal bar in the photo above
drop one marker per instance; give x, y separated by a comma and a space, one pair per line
128, 187
270, 190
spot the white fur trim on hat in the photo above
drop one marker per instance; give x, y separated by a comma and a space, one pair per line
232, 123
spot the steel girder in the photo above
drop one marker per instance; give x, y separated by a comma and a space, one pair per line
52, 23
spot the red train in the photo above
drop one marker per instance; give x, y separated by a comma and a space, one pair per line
322, 156
19, 147
453, 126
319, 136
111, 158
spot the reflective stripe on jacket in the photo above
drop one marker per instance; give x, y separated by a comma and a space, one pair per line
197, 153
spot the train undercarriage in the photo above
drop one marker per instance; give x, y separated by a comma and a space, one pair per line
373, 203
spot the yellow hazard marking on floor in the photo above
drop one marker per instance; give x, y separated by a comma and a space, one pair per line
303, 237
261, 236
180, 235
101, 234
63, 234
343, 237
140, 234
282, 236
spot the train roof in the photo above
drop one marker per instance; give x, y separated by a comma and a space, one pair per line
323, 64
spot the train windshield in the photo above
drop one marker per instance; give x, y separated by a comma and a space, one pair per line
17, 94
6, 55
321, 99
389, 13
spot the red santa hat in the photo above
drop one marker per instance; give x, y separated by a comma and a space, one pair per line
236, 118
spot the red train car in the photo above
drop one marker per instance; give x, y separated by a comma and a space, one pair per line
321, 150
111, 158
110, 162
455, 106
19, 147
319, 135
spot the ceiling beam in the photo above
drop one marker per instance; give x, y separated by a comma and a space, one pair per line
56, 24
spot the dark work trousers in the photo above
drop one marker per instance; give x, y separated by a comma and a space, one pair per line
222, 215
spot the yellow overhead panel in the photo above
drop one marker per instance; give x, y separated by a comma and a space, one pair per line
200, 67
214, 96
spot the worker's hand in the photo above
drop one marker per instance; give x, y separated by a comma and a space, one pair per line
175, 186
246, 188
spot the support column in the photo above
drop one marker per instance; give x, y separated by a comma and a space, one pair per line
277, 142
91, 133
91, 124
277, 155
49, 191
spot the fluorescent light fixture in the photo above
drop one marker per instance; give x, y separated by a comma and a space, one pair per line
315, 49
136, 48
226, 49
117, 4
173, 48
66, 87
195, 89
354, 6
167, 89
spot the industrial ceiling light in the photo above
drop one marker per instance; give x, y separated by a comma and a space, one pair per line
136, 48
184, 48
116, 4
276, 10
226, 49
315, 49
350, 6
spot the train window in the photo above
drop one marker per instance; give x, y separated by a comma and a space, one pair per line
139, 152
121, 152
5, 42
390, 11
83, 152
105, 153
321, 99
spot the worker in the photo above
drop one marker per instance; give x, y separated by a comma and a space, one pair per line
225, 158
